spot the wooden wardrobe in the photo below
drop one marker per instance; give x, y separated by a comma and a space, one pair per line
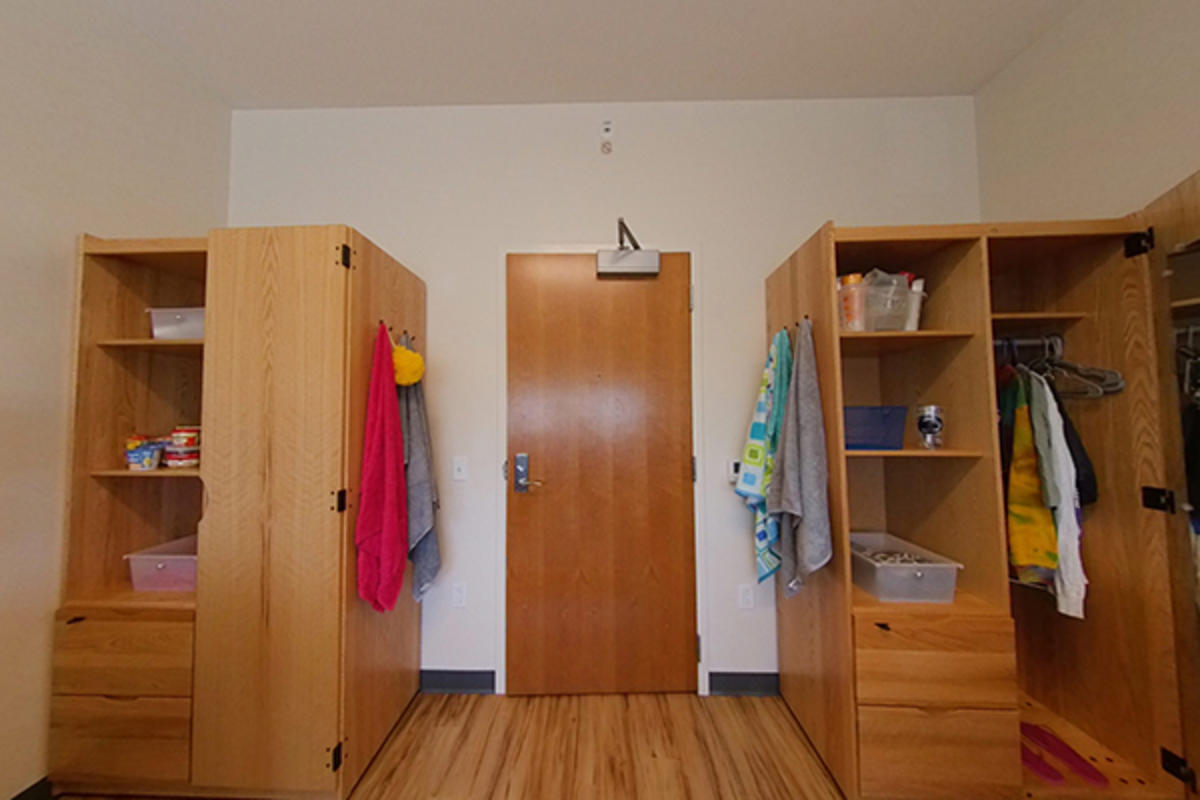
272, 678
907, 700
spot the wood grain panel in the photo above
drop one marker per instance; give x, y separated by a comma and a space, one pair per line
381, 656
950, 661
269, 584
816, 659
597, 747
1124, 651
1176, 220
122, 657
925, 754
601, 561
104, 738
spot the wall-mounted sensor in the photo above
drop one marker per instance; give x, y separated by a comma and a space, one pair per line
606, 137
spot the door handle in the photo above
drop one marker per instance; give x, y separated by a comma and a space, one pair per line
522, 483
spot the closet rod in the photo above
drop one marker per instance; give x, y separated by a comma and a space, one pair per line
1054, 340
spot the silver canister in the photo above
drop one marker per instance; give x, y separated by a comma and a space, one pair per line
930, 425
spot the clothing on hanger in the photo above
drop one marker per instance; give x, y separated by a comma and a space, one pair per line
1032, 537
758, 456
1085, 474
421, 486
798, 494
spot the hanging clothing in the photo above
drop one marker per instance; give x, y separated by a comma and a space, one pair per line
1070, 581
798, 494
1032, 538
381, 532
758, 456
1085, 474
421, 486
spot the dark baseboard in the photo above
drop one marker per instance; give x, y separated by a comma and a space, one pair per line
458, 681
39, 791
758, 684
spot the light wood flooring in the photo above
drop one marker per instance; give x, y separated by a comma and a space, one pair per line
607, 747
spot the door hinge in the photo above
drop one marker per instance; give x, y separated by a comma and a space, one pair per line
346, 256
698, 648
1158, 499
1138, 243
1177, 766
335, 757
341, 501
693, 469
691, 298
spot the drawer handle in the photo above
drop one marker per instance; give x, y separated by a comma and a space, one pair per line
883, 626
74, 620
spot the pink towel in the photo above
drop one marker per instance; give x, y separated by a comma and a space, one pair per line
382, 530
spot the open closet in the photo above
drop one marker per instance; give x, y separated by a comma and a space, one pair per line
271, 676
925, 700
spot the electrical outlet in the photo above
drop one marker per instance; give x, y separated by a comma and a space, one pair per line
745, 595
458, 594
460, 468
733, 468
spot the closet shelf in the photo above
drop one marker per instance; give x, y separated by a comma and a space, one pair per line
860, 343
130, 603
1008, 321
186, 256
176, 346
965, 604
161, 472
914, 452
1185, 306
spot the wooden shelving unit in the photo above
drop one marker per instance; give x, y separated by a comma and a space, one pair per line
153, 474
965, 603
913, 452
858, 343
1016, 322
191, 347
1185, 307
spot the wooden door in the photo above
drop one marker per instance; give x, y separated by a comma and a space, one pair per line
601, 556
269, 572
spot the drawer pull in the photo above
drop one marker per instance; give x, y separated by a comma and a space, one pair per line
883, 626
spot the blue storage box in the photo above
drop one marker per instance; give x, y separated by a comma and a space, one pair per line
875, 427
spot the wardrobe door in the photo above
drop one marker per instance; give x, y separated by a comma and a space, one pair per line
268, 591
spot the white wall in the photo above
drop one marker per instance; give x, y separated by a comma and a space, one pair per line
1098, 117
450, 190
97, 134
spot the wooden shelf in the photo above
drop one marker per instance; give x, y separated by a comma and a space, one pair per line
175, 346
185, 256
125, 602
859, 343
161, 472
914, 452
964, 604
1125, 780
1033, 320
1185, 306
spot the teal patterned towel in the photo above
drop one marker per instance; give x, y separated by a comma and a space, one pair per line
758, 457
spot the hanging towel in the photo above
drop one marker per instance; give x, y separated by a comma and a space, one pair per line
1032, 538
798, 494
1070, 581
381, 532
422, 489
758, 457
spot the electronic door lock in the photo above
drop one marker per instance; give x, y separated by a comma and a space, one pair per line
522, 483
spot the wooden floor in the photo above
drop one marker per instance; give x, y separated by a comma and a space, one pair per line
607, 747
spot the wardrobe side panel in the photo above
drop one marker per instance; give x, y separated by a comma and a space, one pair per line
1176, 220
381, 657
269, 572
816, 659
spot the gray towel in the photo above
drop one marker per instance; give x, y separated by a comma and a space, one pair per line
422, 489
799, 491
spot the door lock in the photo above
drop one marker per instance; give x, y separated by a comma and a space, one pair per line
522, 483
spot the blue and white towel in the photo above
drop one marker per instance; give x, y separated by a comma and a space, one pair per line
758, 456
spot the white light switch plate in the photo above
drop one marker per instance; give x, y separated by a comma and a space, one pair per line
745, 595
460, 468
458, 594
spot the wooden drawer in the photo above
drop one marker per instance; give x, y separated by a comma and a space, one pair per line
117, 738
952, 661
938, 753
136, 658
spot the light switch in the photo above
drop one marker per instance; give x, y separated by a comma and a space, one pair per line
745, 595
458, 594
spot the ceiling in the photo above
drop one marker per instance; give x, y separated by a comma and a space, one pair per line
310, 53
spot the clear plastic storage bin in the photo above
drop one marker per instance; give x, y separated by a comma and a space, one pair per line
930, 580
875, 427
176, 323
169, 567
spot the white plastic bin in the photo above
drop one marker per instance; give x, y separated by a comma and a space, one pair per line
931, 580
176, 323
169, 567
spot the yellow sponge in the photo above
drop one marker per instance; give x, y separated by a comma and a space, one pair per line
409, 365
